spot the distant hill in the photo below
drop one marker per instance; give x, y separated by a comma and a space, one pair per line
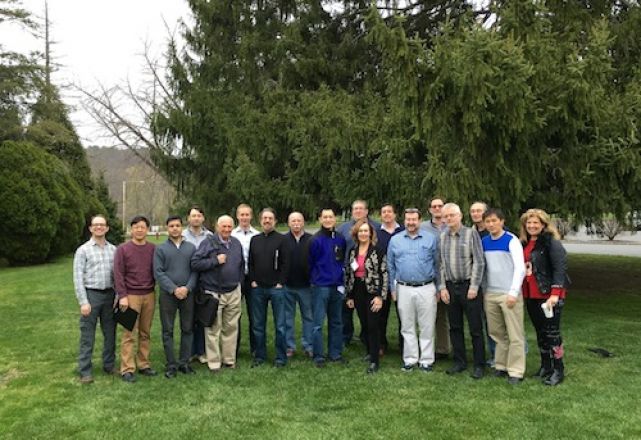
147, 192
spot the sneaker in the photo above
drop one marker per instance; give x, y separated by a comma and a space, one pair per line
373, 368
425, 368
309, 354
290, 352
86, 380
407, 368
514, 380
319, 363
170, 373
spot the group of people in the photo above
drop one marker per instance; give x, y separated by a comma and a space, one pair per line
436, 272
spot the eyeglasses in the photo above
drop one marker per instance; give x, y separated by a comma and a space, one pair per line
101, 225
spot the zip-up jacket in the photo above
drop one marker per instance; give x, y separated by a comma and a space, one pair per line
220, 278
326, 258
268, 259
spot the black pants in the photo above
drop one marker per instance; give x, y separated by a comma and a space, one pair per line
169, 305
459, 306
246, 292
370, 321
385, 312
548, 332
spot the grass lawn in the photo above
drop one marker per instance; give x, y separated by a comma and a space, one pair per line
40, 396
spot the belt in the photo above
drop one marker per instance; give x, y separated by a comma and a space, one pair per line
415, 283
108, 290
458, 283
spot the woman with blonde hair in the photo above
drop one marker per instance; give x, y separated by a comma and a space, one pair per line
366, 287
544, 289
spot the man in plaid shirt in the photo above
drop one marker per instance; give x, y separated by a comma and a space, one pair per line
93, 283
462, 266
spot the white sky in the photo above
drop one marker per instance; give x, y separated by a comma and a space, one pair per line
98, 40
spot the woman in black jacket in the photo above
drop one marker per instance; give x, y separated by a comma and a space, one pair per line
544, 289
366, 287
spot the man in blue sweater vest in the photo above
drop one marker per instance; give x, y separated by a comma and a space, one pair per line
326, 261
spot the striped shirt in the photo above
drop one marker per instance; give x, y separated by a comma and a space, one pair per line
462, 257
93, 268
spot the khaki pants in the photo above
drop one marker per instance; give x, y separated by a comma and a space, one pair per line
505, 327
144, 305
221, 338
442, 329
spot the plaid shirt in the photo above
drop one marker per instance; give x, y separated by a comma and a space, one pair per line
93, 268
462, 257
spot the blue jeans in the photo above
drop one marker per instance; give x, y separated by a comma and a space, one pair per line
327, 301
260, 297
304, 297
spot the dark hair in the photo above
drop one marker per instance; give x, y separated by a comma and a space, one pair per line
197, 208
357, 226
138, 219
264, 210
414, 211
171, 218
391, 205
437, 197
320, 211
494, 211
104, 217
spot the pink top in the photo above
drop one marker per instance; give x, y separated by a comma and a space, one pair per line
360, 272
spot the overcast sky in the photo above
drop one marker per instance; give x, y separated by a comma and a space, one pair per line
98, 40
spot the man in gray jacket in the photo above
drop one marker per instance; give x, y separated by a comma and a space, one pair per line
172, 271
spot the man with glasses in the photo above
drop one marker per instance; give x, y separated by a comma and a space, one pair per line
412, 263
436, 225
93, 284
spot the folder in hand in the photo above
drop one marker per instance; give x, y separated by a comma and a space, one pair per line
127, 318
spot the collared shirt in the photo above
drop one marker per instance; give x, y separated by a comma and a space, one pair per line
429, 226
93, 268
461, 257
245, 237
413, 259
196, 239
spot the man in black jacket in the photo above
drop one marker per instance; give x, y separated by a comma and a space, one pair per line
268, 270
298, 288
219, 259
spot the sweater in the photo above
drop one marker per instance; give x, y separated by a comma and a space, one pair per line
298, 275
134, 269
172, 266
504, 264
268, 259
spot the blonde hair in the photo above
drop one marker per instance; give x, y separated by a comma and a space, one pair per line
543, 217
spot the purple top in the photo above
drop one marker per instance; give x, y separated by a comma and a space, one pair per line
134, 269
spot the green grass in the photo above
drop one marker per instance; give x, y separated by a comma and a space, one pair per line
40, 396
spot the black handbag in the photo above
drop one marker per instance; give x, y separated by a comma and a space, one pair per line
206, 308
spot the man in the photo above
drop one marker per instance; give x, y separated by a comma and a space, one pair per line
412, 263
221, 265
389, 228
172, 270
93, 284
477, 209
195, 234
244, 233
134, 280
504, 273
326, 260
462, 265
268, 270
297, 288
436, 225
476, 215
359, 211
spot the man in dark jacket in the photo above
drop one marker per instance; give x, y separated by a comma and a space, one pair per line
298, 285
172, 270
325, 259
268, 270
221, 265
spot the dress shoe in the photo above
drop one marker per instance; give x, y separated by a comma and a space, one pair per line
441, 356
214, 370
319, 363
257, 363
555, 379
407, 368
514, 380
340, 360
455, 369
129, 377
170, 373
110, 371
373, 368
147, 371
425, 368
542, 373
186, 369
229, 366
279, 364
500, 373
85, 380
477, 373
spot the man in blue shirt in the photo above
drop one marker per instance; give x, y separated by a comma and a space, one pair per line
412, 262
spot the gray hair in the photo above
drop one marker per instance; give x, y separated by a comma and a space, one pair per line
223, 218
453, 206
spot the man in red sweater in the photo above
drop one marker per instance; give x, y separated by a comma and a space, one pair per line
134, 281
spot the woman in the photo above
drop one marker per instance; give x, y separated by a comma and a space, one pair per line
544, 287
366, 287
